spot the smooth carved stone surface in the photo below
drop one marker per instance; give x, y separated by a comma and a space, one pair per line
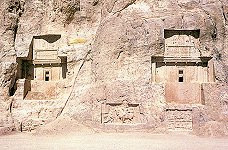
188, 93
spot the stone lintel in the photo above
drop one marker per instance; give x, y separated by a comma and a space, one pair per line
180, 59
40, 61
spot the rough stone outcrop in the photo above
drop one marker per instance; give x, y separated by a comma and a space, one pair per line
11, 10
109, 45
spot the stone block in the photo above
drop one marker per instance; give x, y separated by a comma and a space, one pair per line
183, 93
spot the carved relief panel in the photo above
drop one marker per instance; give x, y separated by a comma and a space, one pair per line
121, 113
46, 46
182, 43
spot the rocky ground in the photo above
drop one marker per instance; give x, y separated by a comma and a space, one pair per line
111, 141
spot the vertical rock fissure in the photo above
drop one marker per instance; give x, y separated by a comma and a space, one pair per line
126, 6
214, 34
74, 83
223, 13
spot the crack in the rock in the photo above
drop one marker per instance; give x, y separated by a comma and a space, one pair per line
214, 34
126, 6
119, 54
224, 14
74, 83
16, 8
11, 105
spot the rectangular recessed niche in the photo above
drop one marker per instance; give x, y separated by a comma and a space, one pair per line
181, 79
181, 70
121, 113
43, 63
179, 119
181, 76
46, 75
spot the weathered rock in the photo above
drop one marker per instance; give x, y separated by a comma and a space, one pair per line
109, 47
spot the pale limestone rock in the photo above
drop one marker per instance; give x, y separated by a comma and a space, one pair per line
109, 45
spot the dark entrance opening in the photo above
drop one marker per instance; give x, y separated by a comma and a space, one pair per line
181, 76
181, 79
47, 76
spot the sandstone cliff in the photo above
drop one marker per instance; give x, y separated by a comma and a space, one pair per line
113, 61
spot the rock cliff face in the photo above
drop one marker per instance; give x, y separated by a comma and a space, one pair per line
109, 47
